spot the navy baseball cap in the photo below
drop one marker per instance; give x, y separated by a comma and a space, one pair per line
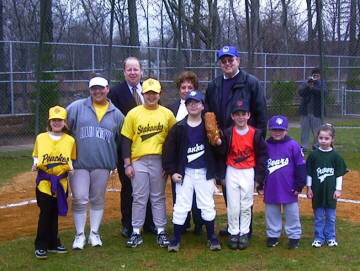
241, 105
227, 51
278, 122
194, 95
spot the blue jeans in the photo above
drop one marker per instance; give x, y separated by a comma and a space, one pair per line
324, 224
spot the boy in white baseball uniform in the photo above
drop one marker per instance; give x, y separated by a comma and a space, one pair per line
189, 159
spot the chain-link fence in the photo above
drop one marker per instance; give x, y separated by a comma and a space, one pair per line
74, 64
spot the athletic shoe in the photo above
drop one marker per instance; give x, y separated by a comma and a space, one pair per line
243, 241
214, 244
293, 243
41, 254
233, 241
79, 241
272, 242
59, 250
316, 243
135, 240
173, 246
332, 243
162, 239
94, 239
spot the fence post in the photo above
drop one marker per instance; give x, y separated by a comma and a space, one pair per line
158, 62
93, 58
265, 73
11, 78
338, 73
304, 71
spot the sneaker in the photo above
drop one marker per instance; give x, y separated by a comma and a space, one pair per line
243, 241
233, 241
162, 239
293, 243
272, 242
94, 239
173, 246
214, 244
316, 243
332, 243
135, 240
59, 249
79, 241
41, 254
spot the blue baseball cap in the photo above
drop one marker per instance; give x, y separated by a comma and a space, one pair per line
227, 51
194, 95
241, 105
278, 122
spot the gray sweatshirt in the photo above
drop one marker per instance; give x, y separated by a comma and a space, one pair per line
96, 142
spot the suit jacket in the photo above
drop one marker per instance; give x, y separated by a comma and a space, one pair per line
121, 96
174, 107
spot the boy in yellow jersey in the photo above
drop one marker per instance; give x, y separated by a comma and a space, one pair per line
53, 153
143, 134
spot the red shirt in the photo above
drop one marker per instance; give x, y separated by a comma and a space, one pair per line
241, 153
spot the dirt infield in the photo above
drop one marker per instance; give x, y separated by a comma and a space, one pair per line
22, 221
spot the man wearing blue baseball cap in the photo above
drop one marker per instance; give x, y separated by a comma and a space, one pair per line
225, 90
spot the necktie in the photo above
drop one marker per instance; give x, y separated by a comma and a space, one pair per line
136, 96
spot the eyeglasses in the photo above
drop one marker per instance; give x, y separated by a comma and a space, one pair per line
225, 60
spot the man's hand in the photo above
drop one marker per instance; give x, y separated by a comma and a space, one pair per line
177, 178
309, 193
129, 171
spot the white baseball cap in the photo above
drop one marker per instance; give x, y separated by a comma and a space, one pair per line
98, 81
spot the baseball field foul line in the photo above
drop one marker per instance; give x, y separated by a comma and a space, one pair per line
33, 201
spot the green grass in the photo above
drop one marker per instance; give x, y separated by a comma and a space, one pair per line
13, 163
193, 255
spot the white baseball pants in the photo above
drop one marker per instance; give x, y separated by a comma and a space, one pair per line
194, 179
239, 192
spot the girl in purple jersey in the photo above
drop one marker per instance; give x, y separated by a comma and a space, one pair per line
287, 177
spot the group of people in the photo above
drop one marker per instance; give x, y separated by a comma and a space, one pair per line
126, 128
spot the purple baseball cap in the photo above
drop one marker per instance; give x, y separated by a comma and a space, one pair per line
278, 122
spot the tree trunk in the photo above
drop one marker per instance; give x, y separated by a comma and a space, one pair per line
236, 22
309, 25
133, 28
250, 49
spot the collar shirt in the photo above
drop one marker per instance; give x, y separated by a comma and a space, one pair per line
138, 90
182, 112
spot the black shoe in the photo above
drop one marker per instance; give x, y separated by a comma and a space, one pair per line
243, 241
224, 232
173, 246
198, 229
272, 242
233, 241
293, 243
214, 244
59, 250
126, 232
151, 229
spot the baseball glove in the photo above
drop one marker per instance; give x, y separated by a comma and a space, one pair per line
211, 127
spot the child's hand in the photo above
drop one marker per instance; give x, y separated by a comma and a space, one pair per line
309, 193
34, 167
218, 142
177, 178
129, 171
337, 194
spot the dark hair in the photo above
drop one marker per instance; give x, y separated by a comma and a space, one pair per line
315, 71
131, 58
65, 129
187, 76
327, 127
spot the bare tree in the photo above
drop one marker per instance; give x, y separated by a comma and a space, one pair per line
133, 27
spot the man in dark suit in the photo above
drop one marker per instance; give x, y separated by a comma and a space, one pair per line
125, 96
186, 82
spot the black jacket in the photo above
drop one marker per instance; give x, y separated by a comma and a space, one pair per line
261, 155
247, 87
307, 94
174, 157
174, 107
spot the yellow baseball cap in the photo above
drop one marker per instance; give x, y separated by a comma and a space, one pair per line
57, 112
151, 85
